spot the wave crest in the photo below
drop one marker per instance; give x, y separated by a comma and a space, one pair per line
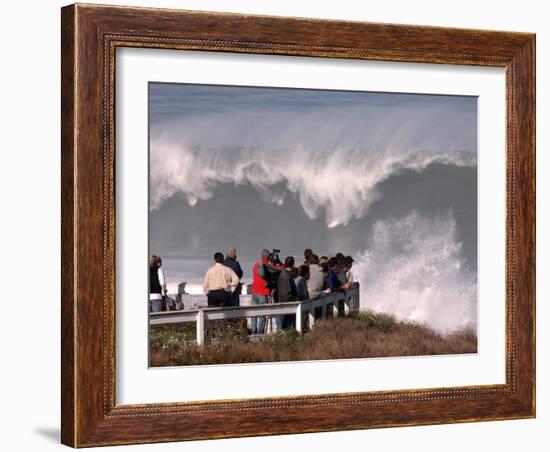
341, 183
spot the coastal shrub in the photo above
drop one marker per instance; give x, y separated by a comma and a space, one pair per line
361, 335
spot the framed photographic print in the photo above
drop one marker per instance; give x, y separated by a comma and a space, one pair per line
281, 225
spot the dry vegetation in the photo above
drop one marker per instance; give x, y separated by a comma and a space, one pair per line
362, 335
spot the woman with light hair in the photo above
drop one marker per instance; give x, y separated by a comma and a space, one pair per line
157, 284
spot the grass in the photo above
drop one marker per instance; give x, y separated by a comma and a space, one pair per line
362, 335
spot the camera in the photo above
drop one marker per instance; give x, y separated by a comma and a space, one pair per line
274, 257
271, 272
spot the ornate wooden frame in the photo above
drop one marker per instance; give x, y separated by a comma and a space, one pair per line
90, 35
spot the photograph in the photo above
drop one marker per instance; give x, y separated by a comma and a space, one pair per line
283, 222
290, 224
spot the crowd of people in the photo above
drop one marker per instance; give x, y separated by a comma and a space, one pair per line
273, 281
277, 282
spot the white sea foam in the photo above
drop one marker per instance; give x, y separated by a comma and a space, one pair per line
414, 269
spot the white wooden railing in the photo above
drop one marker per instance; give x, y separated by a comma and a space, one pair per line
301, 309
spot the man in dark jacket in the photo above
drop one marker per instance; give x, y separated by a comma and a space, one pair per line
286, 290
231, 262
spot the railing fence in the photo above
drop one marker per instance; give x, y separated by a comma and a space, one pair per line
304, 311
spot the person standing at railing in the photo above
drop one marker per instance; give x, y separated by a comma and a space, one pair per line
301, 283
289, 266
316, 280
260, 291
232, 262
219, 282
308, 253
286, 289
331, 279
302, 294
348, 275
339, 268
157, 284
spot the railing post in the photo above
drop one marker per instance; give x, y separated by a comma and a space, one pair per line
299, 319
323, 309
311, 316
200, 327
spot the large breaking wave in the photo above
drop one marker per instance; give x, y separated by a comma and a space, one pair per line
332, 162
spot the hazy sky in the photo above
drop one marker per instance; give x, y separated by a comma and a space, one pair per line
170, 101
380, 176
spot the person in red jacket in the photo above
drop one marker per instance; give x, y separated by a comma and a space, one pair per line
260, 291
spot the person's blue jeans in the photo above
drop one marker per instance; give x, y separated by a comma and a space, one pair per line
289, 321
155, 305
279, 322
258, 323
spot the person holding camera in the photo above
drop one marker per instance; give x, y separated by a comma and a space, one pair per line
260, 291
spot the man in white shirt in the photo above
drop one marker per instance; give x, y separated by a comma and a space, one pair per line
219, 282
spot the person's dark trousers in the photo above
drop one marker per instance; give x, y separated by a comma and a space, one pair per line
233, 299
289, 322
217, 298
